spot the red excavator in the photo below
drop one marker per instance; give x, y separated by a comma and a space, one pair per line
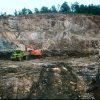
33, 52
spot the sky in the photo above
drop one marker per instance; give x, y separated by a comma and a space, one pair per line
9, 6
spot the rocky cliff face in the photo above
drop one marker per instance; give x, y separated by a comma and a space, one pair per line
50, 31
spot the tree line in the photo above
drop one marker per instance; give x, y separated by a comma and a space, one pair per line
64, 8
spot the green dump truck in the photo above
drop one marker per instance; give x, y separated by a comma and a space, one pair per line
19, 55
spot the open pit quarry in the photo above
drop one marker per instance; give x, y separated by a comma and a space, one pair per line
70, 67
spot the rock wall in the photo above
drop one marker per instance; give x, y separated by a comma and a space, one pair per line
51, 31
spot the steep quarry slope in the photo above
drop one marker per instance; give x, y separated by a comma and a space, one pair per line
50, 31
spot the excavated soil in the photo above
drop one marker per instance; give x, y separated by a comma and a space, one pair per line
48, 78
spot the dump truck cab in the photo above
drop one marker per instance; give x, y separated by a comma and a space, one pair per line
19, 55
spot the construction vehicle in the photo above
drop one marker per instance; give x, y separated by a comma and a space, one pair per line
19, 55
33, 52
29, 52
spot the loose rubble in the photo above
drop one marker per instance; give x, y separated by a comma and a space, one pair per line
48, 78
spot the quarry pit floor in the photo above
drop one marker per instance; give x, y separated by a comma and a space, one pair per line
85, 67
74, 61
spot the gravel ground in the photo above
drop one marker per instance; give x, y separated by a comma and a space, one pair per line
17, 77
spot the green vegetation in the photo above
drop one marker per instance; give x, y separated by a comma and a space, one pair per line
63, 8
24, 11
